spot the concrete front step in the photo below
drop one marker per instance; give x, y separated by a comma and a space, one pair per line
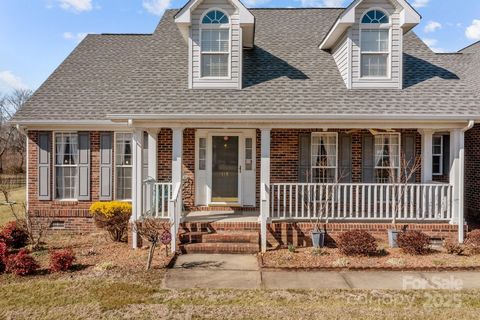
219, 247
221, 237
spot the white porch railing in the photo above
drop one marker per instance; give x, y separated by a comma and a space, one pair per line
361, 201
156, 196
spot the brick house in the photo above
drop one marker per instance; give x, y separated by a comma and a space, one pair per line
229, 119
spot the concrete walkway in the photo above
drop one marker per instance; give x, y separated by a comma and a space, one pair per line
242, 272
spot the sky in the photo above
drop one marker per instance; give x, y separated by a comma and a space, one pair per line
37, 35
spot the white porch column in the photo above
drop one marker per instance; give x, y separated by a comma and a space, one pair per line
457, 161
177, 175
137, 165
152, 157
427, 136
264, 185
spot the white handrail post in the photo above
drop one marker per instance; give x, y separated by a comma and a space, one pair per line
175, 203
265, 185
457, 179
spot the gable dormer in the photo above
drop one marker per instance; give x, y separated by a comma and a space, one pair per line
367, 42
216, 32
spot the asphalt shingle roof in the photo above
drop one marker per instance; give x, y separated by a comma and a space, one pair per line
285, 73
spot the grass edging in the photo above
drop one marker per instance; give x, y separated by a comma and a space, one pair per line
263, 267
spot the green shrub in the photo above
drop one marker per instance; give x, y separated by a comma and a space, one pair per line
357, 243
112, 216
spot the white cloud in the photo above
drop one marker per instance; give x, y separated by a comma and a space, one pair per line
76, 5
8, 79
432, 43
432, 26
322, 3
253, 3
420, 3
156, 7
473, 31
78, 37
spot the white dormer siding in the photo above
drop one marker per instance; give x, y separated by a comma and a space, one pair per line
342, 58
233, 79
393, 78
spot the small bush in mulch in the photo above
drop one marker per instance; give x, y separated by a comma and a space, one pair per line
61, 260
357, 243
112, 216
453, 247
414, 242
14, 235
21, 264
3, 256
473, 242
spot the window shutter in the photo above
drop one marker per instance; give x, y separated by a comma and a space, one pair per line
84, 166
345, 158
106, 166
368, 158
409, 151
44, 167
446, 155
304, 157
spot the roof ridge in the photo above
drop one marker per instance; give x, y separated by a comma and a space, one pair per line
126, 34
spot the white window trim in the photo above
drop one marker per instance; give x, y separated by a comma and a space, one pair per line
438, 155
373, 26
54, 151
399, 152
203, 27
123, 166
312, 167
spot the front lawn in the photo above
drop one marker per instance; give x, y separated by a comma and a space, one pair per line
386, 258
104, 297
17, 195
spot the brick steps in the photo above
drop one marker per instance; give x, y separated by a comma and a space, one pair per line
204, 239
219, 247
221, 237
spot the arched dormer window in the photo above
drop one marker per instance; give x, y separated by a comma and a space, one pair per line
215, 16
215, 44
375, 16
375, 44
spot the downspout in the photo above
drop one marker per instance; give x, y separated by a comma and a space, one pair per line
461, 215
24, 132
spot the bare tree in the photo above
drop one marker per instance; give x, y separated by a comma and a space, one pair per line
154, 231
10, 138
35, 230
399, 181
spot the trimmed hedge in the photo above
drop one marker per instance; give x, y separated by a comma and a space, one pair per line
414, 242
357, 242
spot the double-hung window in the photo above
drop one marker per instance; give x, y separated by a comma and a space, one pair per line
66, 165
123, 166
374, 44
324, 157
215, 45
437, 154
387, 157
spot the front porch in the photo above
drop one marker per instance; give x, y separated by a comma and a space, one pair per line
272, 192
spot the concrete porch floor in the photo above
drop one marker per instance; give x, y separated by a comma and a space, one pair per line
221, 216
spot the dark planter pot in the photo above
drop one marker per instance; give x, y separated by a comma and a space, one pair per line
318, 239
392, 238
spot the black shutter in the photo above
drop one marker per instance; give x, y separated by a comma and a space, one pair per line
409, 152
368, 158
304, 157
345, 158
446, 155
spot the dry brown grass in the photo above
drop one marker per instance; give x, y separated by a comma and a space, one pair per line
17, 195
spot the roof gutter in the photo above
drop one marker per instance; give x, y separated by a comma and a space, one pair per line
469, 126
287, 117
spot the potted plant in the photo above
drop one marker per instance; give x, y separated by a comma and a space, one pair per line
318, 235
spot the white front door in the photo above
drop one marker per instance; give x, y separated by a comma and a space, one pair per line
225, 167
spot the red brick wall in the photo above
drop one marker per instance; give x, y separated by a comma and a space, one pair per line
74, 214
472, 175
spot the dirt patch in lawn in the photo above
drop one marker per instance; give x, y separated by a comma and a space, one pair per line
387, 258
99, 257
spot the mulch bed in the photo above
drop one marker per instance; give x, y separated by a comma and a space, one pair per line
331, 259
